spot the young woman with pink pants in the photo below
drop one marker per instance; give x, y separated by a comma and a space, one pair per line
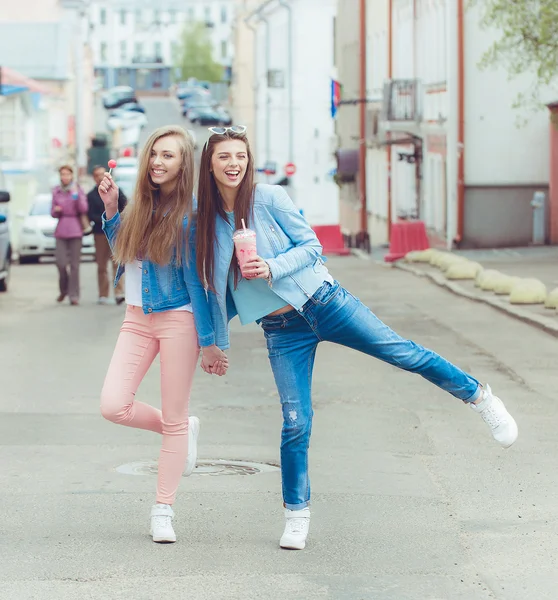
167, 310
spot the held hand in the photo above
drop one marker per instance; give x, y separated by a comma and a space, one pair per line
108, 190
57, 209
214, 360
256, 268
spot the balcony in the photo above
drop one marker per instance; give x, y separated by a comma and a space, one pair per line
403, 101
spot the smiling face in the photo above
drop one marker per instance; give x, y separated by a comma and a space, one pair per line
165, 161
229, 163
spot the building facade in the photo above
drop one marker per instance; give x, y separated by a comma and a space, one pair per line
443, 142
135, 41
292, 100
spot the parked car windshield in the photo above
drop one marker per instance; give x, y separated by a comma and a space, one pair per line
41, 207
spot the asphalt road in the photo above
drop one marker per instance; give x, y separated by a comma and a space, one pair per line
412, 499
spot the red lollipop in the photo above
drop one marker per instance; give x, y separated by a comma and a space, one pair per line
112, 165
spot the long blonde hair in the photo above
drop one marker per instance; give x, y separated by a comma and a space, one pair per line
152, 227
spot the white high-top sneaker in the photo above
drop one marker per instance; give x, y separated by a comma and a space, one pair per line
193, 433
297, 525
495, 415
161, 524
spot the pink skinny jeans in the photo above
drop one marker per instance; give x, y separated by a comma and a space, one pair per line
172, 334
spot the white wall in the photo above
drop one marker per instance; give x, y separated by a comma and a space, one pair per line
497, 152
313, 188
146, 33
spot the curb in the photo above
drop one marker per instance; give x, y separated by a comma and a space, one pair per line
548, 325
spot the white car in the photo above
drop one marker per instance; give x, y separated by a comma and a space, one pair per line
126, 119
36, 237
125, 174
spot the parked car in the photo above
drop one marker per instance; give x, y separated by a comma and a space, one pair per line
196, 102
208, 115
125, 119
5, 245
125, 175
117, 96
36, 237
133, 106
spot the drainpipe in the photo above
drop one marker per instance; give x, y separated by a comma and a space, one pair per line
363, 235
255, 84
460, 124
452, 127
388, 135
267, 96
289, 9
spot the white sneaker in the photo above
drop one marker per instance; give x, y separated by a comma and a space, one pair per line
193, 433
161, 524
494, 413
103, 300
297, 526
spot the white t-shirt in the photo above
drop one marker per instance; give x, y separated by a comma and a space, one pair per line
133, 286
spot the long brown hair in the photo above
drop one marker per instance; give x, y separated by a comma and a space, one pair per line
210, 205
152, 226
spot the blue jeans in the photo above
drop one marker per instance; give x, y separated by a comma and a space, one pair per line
334, 315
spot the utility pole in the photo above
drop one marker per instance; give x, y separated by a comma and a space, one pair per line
363, 239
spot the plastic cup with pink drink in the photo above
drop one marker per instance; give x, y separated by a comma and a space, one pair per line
245, 246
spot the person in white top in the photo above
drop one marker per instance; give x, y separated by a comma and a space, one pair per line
167, 311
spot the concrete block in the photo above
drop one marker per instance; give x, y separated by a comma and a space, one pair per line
528, 291
420, 255
463, 269
552, 299
488, 278
505, 284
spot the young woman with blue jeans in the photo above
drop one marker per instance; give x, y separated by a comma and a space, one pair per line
167, 310
290, 293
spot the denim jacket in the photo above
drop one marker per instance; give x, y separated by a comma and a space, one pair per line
165, 287
288, 244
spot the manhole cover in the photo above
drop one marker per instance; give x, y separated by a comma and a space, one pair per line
203, 467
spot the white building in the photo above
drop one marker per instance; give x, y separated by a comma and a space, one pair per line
134, 41
292, 85
447, 148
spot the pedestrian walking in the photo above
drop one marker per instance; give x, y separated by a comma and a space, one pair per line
103, 253
167, 311
69, 206
287, 289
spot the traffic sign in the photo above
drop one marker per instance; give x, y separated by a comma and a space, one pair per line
290, 169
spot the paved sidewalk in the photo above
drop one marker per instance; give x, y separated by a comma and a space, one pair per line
534, 262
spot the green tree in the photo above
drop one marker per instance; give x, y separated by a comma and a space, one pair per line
194, 55
528, 42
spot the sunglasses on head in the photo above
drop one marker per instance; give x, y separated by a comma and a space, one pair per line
223, 130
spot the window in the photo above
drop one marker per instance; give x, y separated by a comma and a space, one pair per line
223, 14
172, 16
122, 17
138, 15
103, 52
123, 51
175, 50
158, 50
224, 49
156, 16
103, 16
191, 13
207, 13
138, 50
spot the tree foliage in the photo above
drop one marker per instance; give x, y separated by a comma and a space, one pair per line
527, 43
194, 56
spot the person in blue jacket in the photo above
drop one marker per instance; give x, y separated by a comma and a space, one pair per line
288, 290
167, 310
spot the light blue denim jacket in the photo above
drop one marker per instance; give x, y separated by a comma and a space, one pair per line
288, 244
165, 287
